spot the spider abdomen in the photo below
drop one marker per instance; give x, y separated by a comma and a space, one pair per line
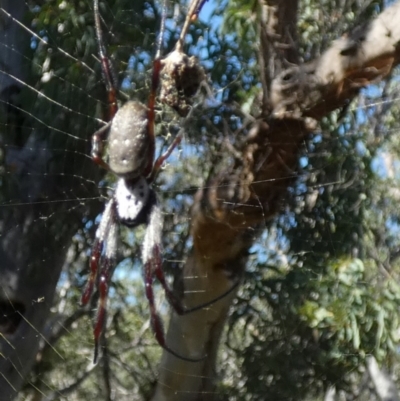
133, 201
128, 141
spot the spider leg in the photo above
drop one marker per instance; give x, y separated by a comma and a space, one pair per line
151, 256
101, 267
106, 65
106, 272
152, 251
97, 146
176, 303
94, 268
97, 248
162, 29
159, 162
111, 88
155, 80
155, 319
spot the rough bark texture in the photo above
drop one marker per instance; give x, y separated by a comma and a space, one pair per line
228, 213
278, 42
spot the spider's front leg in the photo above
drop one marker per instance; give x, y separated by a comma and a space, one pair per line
97, 146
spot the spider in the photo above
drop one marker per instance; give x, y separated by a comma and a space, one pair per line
131, 148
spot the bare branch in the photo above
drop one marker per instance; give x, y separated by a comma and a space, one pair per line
366, 55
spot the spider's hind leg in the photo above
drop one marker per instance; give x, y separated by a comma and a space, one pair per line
96, 252
151, 257
152, 252
152, 260
176, 303
102, 265
108, 266
155, 319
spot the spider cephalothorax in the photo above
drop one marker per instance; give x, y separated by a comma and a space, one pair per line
131, 148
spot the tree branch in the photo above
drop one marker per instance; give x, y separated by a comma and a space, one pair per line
229, 210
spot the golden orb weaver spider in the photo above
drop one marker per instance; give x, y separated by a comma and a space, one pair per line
131, 149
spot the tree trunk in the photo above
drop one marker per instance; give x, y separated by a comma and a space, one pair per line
233, 205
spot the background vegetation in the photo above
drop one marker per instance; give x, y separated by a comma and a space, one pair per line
320, 294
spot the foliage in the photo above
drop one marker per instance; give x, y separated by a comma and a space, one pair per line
321, 290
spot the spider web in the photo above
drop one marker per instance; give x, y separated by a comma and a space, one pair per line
52, 196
